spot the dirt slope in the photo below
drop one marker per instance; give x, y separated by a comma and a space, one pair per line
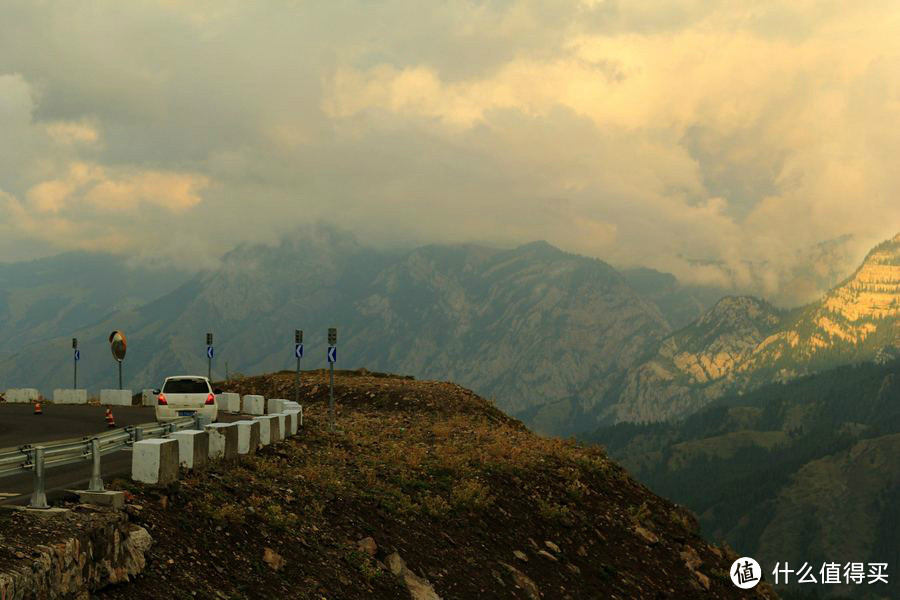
475, 504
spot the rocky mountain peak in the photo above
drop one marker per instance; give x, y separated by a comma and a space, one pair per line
737, 310
872, 292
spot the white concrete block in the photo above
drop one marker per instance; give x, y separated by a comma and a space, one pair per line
63, 396
282, 432
115, 397
21, 395
155, 461
193, 448
290, 422
229, 402
290, 404
223, 441
248, 436
294, 423
254, 405
148, 398
274, 405
269, 431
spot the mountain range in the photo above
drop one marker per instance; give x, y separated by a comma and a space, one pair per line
546, 334
564, 342
744, 342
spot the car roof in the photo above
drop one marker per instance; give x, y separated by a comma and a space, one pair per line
186, 377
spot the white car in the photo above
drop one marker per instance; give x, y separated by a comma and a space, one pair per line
185, 396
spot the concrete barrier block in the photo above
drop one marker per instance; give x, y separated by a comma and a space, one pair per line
148, 398
223, 441
289, 406
289, 420
229, 402
112, 499
248, 436
193, 448
282, 428
274, 405
68, 396
269, 432
254, 405
21, 395
155, 461
115, 397
294, 422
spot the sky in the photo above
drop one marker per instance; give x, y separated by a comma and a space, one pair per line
750, 145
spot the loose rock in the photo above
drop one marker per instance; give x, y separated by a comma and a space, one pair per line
368, 546
273, 559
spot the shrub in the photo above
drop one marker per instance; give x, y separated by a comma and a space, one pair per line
471, 494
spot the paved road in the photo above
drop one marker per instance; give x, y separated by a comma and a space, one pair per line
19, 425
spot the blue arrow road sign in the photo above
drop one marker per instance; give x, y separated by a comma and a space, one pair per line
332, 354
298, 350
77, 354
210, 353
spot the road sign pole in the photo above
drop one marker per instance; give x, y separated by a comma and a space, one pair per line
209, 355
75, 363
331, 398
120, 375
332, 357
298, 352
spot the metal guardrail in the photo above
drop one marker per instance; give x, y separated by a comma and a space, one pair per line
38, 458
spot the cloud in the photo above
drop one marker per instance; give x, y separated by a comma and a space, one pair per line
65, 202
713, 139
82, 132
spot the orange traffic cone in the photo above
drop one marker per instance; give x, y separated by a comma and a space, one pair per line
37, 408
110, 420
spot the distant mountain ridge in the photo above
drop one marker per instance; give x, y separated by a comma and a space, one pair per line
561, 341
741, 343
40, 299
547, 334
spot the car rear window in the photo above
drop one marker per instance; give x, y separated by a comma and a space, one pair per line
186, 386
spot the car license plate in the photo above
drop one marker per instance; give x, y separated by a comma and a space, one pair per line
186, 413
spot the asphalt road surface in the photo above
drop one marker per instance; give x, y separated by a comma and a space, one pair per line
19, 425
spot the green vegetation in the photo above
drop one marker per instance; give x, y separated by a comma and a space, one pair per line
802, 471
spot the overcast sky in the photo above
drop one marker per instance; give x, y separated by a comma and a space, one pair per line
649, 132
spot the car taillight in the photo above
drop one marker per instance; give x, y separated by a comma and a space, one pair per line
161, 400
210, 399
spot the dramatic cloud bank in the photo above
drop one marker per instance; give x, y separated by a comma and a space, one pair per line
718, 140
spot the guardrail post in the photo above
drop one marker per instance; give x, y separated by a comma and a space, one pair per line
96, 482
197, 422
38, 496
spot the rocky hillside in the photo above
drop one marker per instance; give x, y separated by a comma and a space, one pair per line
547, 334
697, 363
426, 491
855, 321
801, 471
742, 343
